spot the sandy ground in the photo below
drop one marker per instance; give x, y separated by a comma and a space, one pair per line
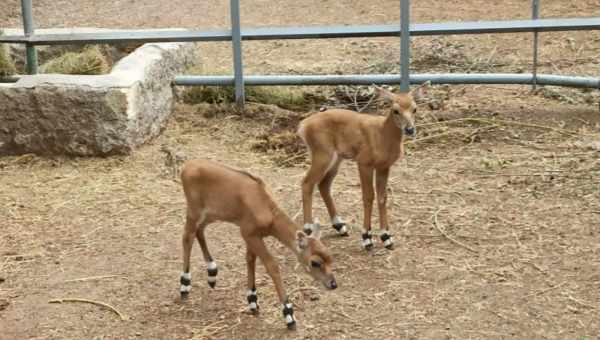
519, 192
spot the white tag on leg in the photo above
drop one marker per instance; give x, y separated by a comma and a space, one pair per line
308, 228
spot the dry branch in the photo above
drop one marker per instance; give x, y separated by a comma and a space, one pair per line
97, 303
545, 290
584, 304
437, 226
500, 121
91, 278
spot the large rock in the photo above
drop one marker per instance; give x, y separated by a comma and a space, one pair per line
93, 115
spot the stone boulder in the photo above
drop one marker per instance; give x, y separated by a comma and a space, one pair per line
93, 115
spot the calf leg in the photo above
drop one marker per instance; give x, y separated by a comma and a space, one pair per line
321, 161
251, 293
257, 246
187, 242
366, 184
381, 181
325, 190
211, 265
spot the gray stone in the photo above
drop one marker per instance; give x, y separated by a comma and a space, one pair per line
93, 115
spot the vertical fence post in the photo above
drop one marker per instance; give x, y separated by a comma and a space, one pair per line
535, 7
236, 38
27, 13
405, 45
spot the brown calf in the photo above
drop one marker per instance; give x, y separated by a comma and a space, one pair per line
218, 193
374, 142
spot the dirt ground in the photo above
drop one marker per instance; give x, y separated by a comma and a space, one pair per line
515, 189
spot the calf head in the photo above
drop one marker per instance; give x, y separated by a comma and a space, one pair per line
315, 258
402, 108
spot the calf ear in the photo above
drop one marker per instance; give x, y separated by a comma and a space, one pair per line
301, 240
421, 91
384, 94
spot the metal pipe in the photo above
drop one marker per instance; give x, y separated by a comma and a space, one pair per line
27, 13
405, 45
393, 79
312, 32
236, 38
535, 5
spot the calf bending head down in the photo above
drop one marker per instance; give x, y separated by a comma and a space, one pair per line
215, 192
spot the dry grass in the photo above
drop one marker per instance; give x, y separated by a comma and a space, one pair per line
290, 98
7, 66
90, 61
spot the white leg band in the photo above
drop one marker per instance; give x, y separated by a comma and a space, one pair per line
186, 280
308, 226
212, 279
337, 220
252, 300
211, 265
388, 242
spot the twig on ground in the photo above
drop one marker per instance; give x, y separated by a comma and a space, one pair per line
97, 303
501, 121
585, 304
437, 226
545, 290
414, 141
293, 158
300, 289
91, 278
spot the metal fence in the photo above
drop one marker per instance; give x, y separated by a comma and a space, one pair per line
236, 35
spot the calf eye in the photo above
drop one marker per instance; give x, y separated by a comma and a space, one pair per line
315, 264
414, 110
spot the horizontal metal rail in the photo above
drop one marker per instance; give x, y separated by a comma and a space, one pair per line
315, 32
368, 79
391, 79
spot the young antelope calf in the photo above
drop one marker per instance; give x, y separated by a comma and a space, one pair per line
374, 142
218, 193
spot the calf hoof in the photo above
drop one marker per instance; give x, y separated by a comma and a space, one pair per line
387, 240
288, 314
307, 229
252, 301
367, 241
212, 271
341, 229
185, 281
